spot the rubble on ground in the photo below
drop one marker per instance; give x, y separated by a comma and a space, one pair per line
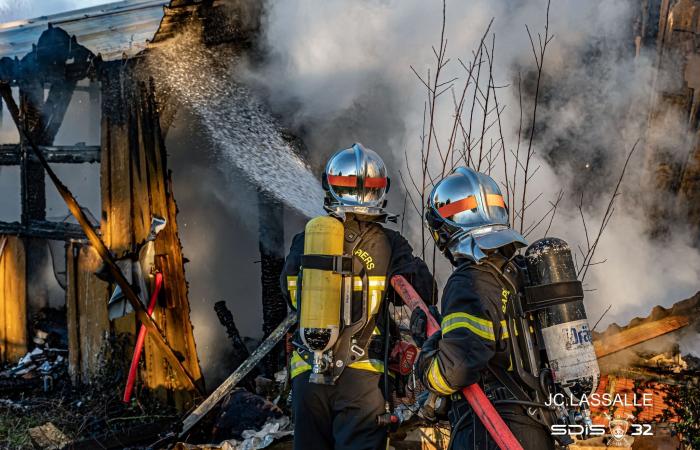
48, 437
40, 408
40, 368
274, 429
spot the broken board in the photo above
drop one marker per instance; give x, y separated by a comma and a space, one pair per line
236, 377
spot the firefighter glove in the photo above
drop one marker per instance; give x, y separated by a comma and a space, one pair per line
419, 324
427, 353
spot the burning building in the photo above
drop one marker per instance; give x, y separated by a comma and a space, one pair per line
100, 103
134, 186
91, 69
653, 355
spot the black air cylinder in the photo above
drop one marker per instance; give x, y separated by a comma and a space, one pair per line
557, 298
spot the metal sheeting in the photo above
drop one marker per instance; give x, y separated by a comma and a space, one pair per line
113, 29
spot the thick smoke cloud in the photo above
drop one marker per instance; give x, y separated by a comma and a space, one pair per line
338, 72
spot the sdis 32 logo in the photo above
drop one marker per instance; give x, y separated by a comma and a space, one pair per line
617, 428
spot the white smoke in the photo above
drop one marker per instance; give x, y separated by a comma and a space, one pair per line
339, 72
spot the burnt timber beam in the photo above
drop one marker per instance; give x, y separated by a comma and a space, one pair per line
638, 334
10, 154
59, 231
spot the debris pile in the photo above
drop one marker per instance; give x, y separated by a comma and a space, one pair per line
88, 416
42, 367
45, 365
241, 412
254, 439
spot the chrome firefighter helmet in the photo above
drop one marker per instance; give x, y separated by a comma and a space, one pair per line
356, 181
467, 216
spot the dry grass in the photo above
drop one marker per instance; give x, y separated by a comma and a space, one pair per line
81, 412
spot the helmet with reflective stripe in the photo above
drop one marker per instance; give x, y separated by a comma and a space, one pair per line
468, 217
356, 181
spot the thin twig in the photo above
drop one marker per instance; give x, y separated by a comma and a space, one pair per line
606, 217
601, 317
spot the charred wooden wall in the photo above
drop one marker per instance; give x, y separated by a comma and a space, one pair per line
135, 186
86, 310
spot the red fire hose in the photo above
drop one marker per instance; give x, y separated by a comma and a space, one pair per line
143, 331
482, 406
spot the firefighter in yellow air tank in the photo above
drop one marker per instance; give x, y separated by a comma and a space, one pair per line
337, 276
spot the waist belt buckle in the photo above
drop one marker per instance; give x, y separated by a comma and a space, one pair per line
356, 349
342, 265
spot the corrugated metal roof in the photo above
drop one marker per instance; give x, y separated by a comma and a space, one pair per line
111, 29
685, 308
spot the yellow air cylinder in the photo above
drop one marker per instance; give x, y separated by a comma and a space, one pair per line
321, 294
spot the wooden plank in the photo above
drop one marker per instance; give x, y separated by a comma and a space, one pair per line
638, 334
13, 301
156, 372
236, 377
73, 325
118, 233
175, 314
141, 208
115, 180
92, 309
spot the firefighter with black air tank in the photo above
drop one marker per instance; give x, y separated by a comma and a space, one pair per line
468, 219
336, 275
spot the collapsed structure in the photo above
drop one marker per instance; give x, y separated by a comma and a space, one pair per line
135, 183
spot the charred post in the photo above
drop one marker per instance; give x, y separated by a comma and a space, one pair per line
240, 351
271, 244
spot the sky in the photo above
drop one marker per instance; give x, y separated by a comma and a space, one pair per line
28, 9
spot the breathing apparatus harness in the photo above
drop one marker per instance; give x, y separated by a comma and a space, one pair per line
527, 350
355, 333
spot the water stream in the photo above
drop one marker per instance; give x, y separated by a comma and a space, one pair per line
247, 141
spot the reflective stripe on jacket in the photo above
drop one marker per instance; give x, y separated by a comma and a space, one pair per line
473, 331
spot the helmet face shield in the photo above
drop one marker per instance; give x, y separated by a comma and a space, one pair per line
375, 180
342, 177
357, 177
467, 214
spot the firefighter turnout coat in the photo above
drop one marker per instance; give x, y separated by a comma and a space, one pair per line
474, 336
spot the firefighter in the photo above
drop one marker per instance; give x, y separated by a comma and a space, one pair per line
468, 219
337, 407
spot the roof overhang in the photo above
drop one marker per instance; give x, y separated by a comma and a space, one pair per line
112, 30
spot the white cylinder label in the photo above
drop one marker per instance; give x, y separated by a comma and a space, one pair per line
570, 351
